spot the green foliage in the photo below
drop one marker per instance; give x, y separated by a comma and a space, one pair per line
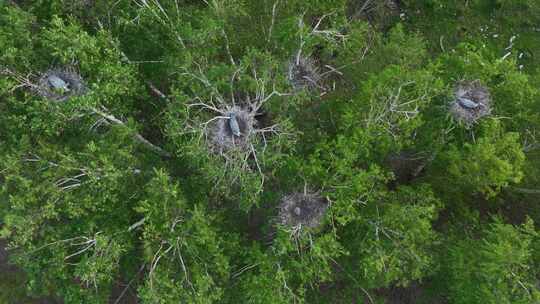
183, 250
496, 268
393, 239
91, 213
62, 207
488, 165
15, 36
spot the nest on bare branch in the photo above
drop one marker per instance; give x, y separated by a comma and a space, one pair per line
48, 84
376, 12
471, 102
221, 135
302, 210
303, 73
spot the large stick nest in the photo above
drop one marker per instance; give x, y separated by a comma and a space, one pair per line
302, 210
303, 73
222, 137
471, 102
74, 84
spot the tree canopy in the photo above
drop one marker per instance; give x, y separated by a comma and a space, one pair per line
268, 151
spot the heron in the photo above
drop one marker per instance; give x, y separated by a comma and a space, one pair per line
467, 103
58, 83
233, 124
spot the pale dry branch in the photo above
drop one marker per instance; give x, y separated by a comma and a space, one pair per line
156, 91
89, 244
23, 81
258, 167
129, 284
331, 35
138, 137
100, 122
227, 47
285, 286
201, 77
53, 243
531, 142
270, 29
137, 224
155, 260
210, 105
525, 190
184, 268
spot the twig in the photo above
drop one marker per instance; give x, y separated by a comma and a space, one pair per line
273, 20
137, 224
129, 284
352, 277
531, 147
91, 243
156, 91
137, 136
525, 190
227, 48
244, 269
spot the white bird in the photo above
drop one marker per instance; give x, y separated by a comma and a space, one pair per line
467, 103
233, 124
57, 83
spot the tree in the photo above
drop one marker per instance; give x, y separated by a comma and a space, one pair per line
270, 151
496, 268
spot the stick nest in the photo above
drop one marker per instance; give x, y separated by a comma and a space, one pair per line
303, 74
69, 75
376, 12
302, 210
221, 135
475, 92
406, 165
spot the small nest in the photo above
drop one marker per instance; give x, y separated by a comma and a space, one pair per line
472, 102
376, 12
302, 210
303, 74
221, 135
69, 76
406, 165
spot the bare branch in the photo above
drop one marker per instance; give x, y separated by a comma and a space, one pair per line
137, 224
270, 29
526, 191
137, 136
531, 147
129, 284
227, 47
156, 91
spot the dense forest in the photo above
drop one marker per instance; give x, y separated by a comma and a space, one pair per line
270, 151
